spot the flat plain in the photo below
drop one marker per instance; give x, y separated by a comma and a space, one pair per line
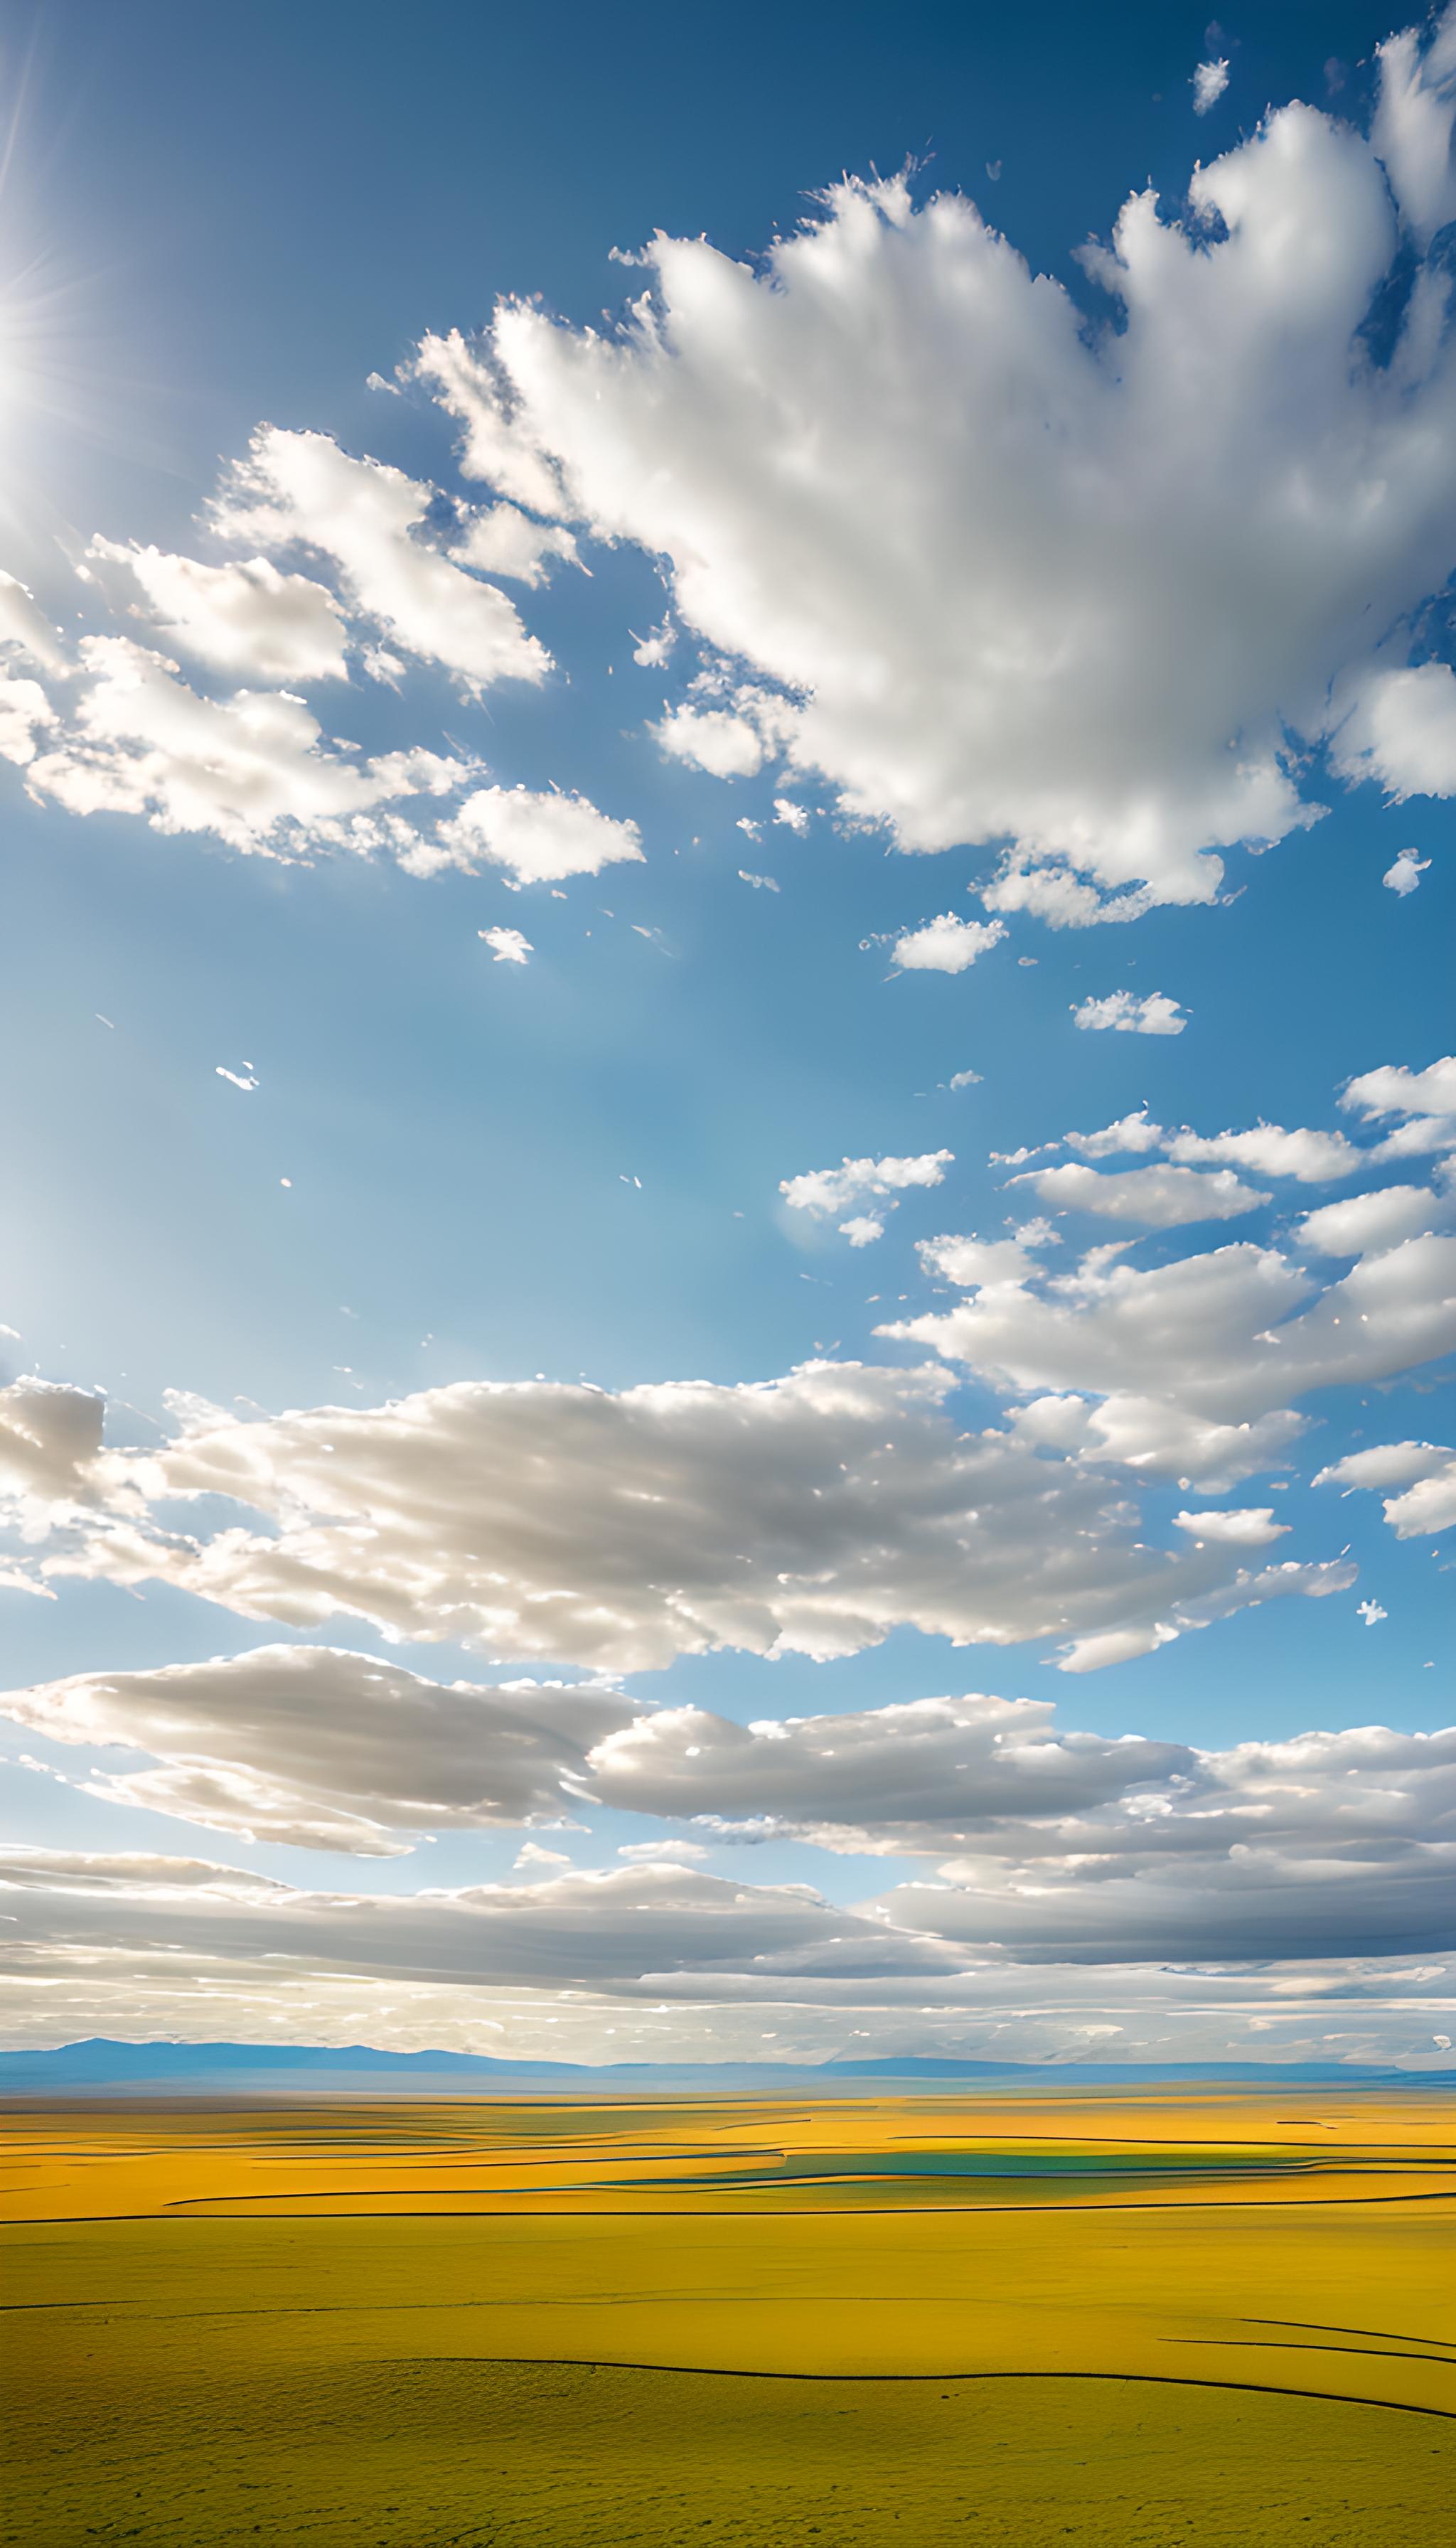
1125, 2322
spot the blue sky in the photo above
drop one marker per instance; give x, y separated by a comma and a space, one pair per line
954, 573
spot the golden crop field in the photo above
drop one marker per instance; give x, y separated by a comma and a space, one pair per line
1138, 2323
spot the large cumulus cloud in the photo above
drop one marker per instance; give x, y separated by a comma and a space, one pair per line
327, 1748
1021, 575
811, 1514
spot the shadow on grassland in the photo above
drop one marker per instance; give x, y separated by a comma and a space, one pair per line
417, 2453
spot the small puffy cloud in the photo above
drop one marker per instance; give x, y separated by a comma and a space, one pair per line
1309, 1156
532, 1855
654, 649
325, 1749
1426, 1471
1360, 1225
1209, 83
246, 1079
946, 945
245, 616
507, 946
1424, 1100
252, 770
718, 740
1130, 1134
301, 488
1251, 1527
506, 541
648, 1852
1399, 728
1371, 1612
1157, 1198
1405, 873
829, 1190
796, 817
1125, 1013
541, 836
765, 885
863, 1230
964, 1079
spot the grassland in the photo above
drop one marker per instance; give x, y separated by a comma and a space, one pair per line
1134, 2324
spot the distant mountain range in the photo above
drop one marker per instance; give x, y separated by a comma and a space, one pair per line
101, 2067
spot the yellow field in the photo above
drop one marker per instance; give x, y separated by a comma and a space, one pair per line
1131, 2322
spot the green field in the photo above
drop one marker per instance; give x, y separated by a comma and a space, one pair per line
1152, 2322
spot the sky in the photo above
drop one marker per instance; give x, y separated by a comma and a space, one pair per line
729, 1287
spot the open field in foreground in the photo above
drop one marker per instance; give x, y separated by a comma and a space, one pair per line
1129, 2322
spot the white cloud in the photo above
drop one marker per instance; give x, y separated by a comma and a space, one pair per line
945, 945
507, 946
624, 1928
1130, 1134
245, 616
1325, 1844
829, 1190
766, 884
251, 769
48, 1433
301, 488
1157, 1198
652, 650
863, 1230
506, 541
1298, 1861
1405, 873
1125, 1014
1361, 1225
1426, 1470
324, 1749
1252, 1527
1426, 1100
1038, 579
1313, 1157
1413, 121
796, 817
1209, 83
964, 1079
810, 1514
1371, 1612
24, 710
1399, 728
717, 740
541, 836
915, 1775
1193, 1360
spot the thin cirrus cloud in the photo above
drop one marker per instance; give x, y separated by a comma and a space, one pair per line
1055, 642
